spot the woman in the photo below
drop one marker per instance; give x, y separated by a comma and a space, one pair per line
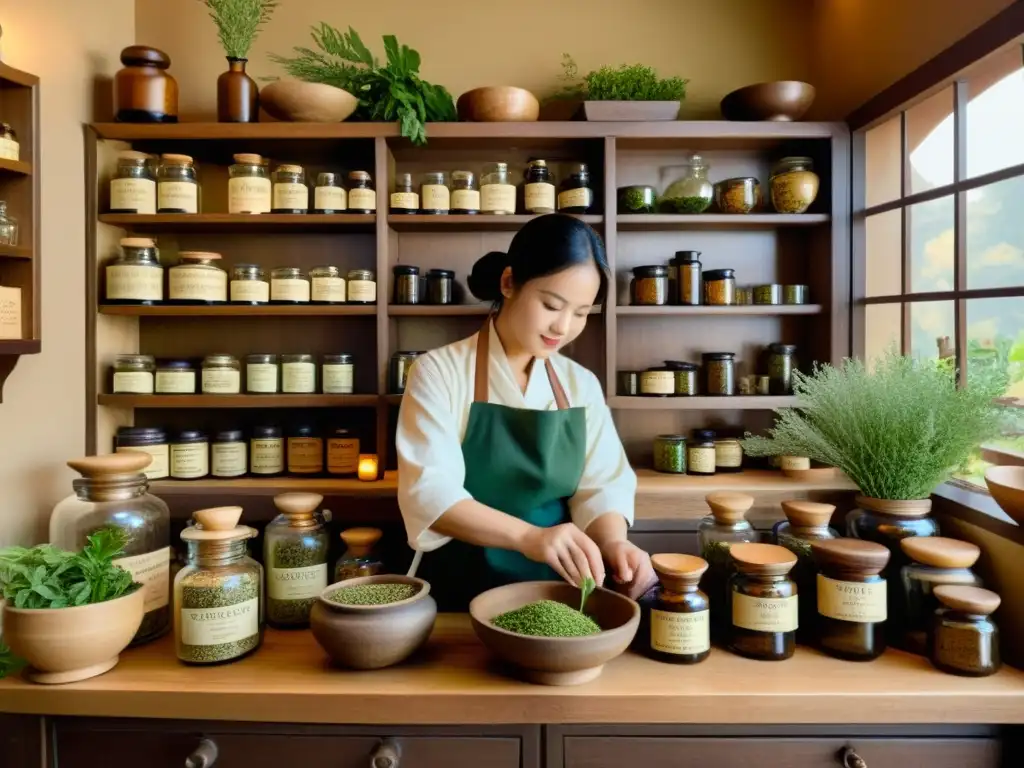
509, 465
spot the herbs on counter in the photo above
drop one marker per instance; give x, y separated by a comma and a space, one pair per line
547, 618
238, 22
629, 82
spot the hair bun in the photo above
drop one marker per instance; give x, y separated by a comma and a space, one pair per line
485, 279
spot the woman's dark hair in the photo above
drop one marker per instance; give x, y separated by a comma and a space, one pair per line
544, 246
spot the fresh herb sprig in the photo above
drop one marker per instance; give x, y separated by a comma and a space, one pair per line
9, 663
238, 22
586, 590
629, 82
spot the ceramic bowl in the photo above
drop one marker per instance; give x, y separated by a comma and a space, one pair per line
373, 636
556, 660
781, 101
498, 104
1006, 484
301, 102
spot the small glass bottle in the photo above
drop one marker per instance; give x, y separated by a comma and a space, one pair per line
358, 559
8, 226
221, 375
806, 522
465, 194
681, 615
298, 374
362, 286
719, 373
497, 192
151, 440
289, 285
764, 602
266, 451
406, 284
692, 192
249, 285
700, 453
327, 286
716, 533
133, 374
337, 374
133, 188
781, 364
342, 453
135, 276
574, 193
248, 185
440, 286
329, 194
720, 287
190, 455
362, 197
670, 454
538, 188
398, 370
687, 268
850, 598
728, 455
291, 195
295, 547
305, 451
177, 185
435, 196
262, 375
10, 149
197, 279
650, 286
405, 199
175, 377
685, 377
228, 454
964, 640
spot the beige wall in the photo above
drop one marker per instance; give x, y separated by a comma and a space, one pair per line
67, 43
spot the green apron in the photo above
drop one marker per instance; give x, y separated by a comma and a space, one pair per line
523, 462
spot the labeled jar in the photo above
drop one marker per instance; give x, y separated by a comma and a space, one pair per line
806, 522
720, 287
10, 149
175, 377
687, 268
440, 286
291, 195
248, 185
358, 559
767, 294
851, 598
398, 370
435, 197
289, 285
658, 382
794, 184
629, 383
406, 284
716, 533
295, 548
650, 286
221, 375
266, 451
190, 455
680, 621
262, 375
465, 194
151, 440
362, 286
197, 279
305, 451
685, 377
538, 188
719, 373
497, 192
8, 226
574, 193
692, 192
670, 454
135, 276
298, 374
781, 364
133, 188
728, 455
964, 639
329, 194
342, 452
739, 195
133, 374
362, 197
700, 453
327, 286
337, 374
764, 602
249, 285
228, 454
405, 199
177, 185
794, 294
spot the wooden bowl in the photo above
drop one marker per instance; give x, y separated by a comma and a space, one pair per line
498, 104
782, 101
300, 102
556, 660
1006, 484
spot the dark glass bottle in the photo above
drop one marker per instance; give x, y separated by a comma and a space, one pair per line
680, 617
764, 602
538, 188
575, 194
964, 640
805, 523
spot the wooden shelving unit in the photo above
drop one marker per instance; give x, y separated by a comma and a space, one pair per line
240, 401
221, 223
15, 167
745, 310
653, 222
239, 310
700, 403
471, 223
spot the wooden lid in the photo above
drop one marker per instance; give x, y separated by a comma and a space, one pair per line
124, 463
967, 599
762, 559
198, 256
217, 524
131, 154
298, 503
941, 552
850, 556
290, 168
808, 514
137, 242
361, 537
248, 158
136, 55
678, 571
729, 507
177, 159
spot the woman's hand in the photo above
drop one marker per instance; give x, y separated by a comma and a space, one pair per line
631, 567
568, 550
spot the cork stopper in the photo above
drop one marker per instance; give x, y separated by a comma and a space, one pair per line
361, 540
728, 507
290, 168
298, 506
964, 599
676, 572
248, 158
179, 159
217, 524
198, 256
941, 552
762, 559
137, 242
808, 514
850, 556
127, 462
131, 154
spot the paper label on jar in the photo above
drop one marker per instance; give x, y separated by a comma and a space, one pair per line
436, 197
249, 194
175, 382
159, 468
291, 196
267, 455
298, 378
133, 382
405, 201
138, 195
329, 199
539, 195
362, 290
728, 454
851, 600
130, 282
764, 614
289, 289
153, 571
657, 383
261, 377
227, 459
498, 198
9, 149
328, 289
216, 626
343, 455
682, 633
338, 379
178, 196
189, 460
575, 198
296, 583
794, 462
192, 284
250, 290
466, 199
701, 459
305, 454
218, 382
362, 199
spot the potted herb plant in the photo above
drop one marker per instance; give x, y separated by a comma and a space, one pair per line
627, 92
68, 614
238, 22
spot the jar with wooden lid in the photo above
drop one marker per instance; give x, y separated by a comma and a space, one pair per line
719, 287
465, 193
719, 373
716, 533
222, 375
133, 187
936, 560
794, 184
197, 279
362, 197
538, 188
659, 381
228, 454
359, 558
295, 547
329, 194
290, 193
850, 600
728, 455
151, 440
806, 522
266, 451
405, 199
249, 285
305, 449
765, 611
337, 374
289, 285
497, 192
964, 639
218, 594
327, 286
190, 455
650, 286
135, 276
362, 286
298, 374
406, 283
133, 374
10, 149
680, 619
249, 188
700, 453
175, 377
177, 185
342, 452
574, 193
262, 375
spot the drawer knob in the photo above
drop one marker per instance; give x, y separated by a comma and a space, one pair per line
204, 756
851, 759
387, 755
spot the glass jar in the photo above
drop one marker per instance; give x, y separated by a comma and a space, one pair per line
405, 199
175, 377
113, 492
680, 622
497, 192
266, 451
794, 294
222, 375
794, 184
327, 286
133, 374
716, 533
574, 193
670, 454
781, 364
291, 195
728, 455
8, 226
719, 373
658, 382
629, 383
362, 286
770, 294
248, 185
650, 286
135, 276
720, 287
228, 454
218, 575
197, 279
398, 370
337, 374
177, 185
133, 187
763, 387
342, 453
806, 522
151, 440
850, 598
434, 193
295, 547
964, 639
362, 197
359, 558
289, 285
687, 268
440, 286
262, 376
465, 194
538, 188
936, 561
764, 602
692, 192
329, 194
190, 455
700, 453
739, 195
637, 198
249, 285
406, 283
10, 149
685, 377
298, 374
305, 451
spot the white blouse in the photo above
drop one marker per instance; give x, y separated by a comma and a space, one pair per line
432, 423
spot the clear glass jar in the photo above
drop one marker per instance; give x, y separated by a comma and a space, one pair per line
670, 454
700, 453
249, 285
720, 287
650, 286
197, 279
218, 575
398, 370
337, 374
133, 374
298, 374
359, 558
175, 377
781, 364
719, 373
342, 452
305, 448
151, 440
849, 598
289, 285
133, 187
685, 375
728, 455
716, 533
362, 197
497, 192
435, 196
964, 639
806, 522
574, 193
262, 375
290, 193
763, 602
692, 192
248, 185
190, 455
440, 286
406, 284
538, 188
770, 293
8, 226
10, 149
794, 184
405, 198
295, 553
739, 195
177, 185
221, 375
680, 622
329, 195
266, 451
113, 491
135, 276
228, 454
362, 286
327, 286
465, 193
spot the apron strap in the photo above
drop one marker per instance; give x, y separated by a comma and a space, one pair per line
480, 387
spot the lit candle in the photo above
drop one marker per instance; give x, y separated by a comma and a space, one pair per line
368, 466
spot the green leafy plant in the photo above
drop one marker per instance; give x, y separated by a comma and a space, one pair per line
393, 92
586, 590
238, 22
629, 82
9, 663
897, 431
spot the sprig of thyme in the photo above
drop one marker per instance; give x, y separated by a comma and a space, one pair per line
238, 22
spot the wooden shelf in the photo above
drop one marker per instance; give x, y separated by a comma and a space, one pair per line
20, 346
238, 223
17, 167
477, 223
702, 403
744, 310
239, 401
15, 252
651, 222
448, 310
239, 310
271, 486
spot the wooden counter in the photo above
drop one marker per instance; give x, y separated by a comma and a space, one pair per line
289, 681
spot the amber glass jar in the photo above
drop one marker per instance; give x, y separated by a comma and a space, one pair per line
964, 640
574, 193
725, 526
362, 197
538, 188
687, 268
680, 622
650, 286
794, 184
719, 287
806, 522
851, 598
342, 453
764, 602
305, 451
